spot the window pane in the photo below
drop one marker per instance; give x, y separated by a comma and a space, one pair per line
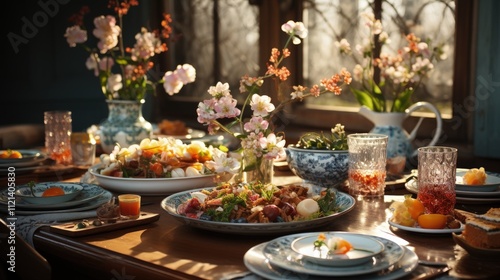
330, 21
234, 54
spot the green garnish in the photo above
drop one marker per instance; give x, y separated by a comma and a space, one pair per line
336, 140
31, 185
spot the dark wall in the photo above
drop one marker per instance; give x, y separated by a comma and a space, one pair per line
41, 72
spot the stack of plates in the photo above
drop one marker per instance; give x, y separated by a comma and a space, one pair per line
91, 197
30, 159
467, 194
292, 257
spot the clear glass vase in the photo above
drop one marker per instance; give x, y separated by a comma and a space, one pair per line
262, 172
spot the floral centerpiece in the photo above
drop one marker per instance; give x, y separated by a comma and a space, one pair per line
385, 82
260, 144
123, 72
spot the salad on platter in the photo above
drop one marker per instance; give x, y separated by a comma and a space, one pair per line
258, 203
165, 158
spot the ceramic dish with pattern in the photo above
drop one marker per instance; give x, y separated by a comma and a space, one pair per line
426, 230
473, 250
89, 192
257, 263
30, 158
492, 183
170, 204
412, 187
279, 252
363, 249
89, 205
35, 194
151, 186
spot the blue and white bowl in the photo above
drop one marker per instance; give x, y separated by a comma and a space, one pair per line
326, 168
71, 190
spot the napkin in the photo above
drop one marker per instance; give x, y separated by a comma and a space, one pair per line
27, 225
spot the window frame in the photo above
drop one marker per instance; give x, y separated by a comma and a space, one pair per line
457, 129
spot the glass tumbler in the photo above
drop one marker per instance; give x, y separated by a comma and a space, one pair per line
58, 136
367, 164
83, 148
436, 179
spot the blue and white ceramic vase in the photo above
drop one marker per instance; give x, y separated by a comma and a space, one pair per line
125, 125
400, 145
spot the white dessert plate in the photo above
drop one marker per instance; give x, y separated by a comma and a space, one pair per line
473, 250
427, 230
279, 252
363, 249
89, 192
345, 203
492, 183
151, 186
30, 158
34, 194
256, 262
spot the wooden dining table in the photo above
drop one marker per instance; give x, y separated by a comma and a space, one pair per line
170, 249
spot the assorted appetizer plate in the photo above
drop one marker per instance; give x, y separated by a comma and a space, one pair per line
30, 158
172, 202
277, 259
151, 186
426, 230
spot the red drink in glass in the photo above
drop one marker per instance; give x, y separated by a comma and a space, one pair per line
437, 198
367, 182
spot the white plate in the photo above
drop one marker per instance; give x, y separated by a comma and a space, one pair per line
30, 158
151, 186
492, 183
191, 135
279, 252
171, 203
363, 249
426, 230
89, 192
34, 194
92, 204
257, 263
412, 187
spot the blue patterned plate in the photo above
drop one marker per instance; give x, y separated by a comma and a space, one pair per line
88, 192
30, 158
280, 253
170, 204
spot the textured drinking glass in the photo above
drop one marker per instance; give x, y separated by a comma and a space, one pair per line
436, 179
82, 148
367, 164
58, 135
130, 205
